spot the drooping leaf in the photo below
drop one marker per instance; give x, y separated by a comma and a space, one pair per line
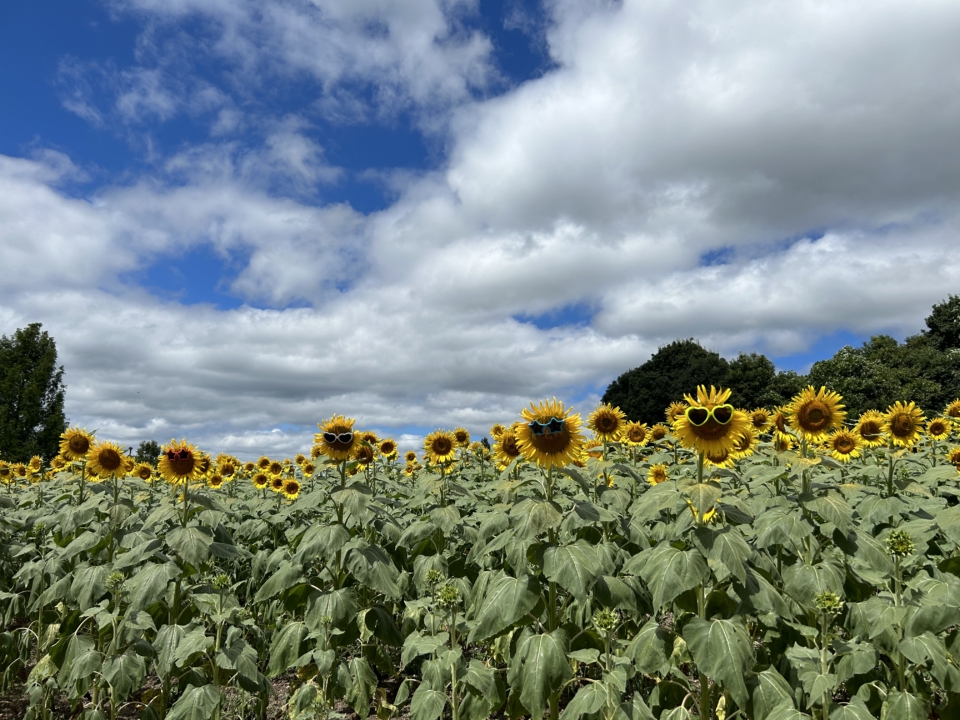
768, 689
538, 669
286, 648
505, 602
722, 650
427, 704
288, 575
904, 706
588, 700
651, 648
573, 567
668, 571
196, 703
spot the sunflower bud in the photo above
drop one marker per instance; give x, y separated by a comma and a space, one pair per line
900, 544
448, 597
605, 620
221, 582
829, 602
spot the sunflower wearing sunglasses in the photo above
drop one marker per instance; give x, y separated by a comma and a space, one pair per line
710, 424
550, 435
336, 437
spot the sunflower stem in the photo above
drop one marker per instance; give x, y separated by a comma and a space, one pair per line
890, 461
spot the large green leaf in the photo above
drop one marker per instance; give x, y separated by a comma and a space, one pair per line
668, 571
81, 660
702, 496
288, 575
360, 684
768, 689
165, 644
125, 673
634, 709
588, 700
150, 584
505, 602
538, 669
196, 703
89, 585
722, 650
427, 704
854, 710
651, 648
804, 582
726, 550
574, 567
322, 541
786, 711
833, 508
904, 706
338, 605
190, 544
286, 648
373, 567
532, 517
928, 650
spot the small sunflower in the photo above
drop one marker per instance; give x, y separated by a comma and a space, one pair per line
440, 446
674, 410
722, 459
708, 516
760, 418
276, 483
746, 444
291, 489
506, 448
274, 468
20, 471
779, 420
462, 437
593, 448
550, 435
606, 422
368, 437
144, 471
388, 449
179, 462
870, 429
709, 424
215, 480
659, 432
939, 428
782, 442
6, 473
953, 457
106, 460
35, 464
264, 462
58, 463
844, 445
636, 434
411, 468
260, 480
363, 453
496, 430
74, 443
953, 409
300, 458
813, 413
308, 469
657, 474
410, 456
903, 422
336, 438
249, 467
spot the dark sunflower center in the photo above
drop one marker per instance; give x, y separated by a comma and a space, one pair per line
387, 448
228, 469
181, 462
441, 446
509, 445
901, 425
461, 437
710, 430
144, 473
759, 421
276, 468
365, 455
658, 434
659, 475
637, 434
813, 416
277, 482
937, 427
552, 443
109, 459
718, 457
870, 429
607, 423
844, 445
743, 443
79, 444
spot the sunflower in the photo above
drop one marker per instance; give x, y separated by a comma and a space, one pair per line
58, 463
363, 453
462, 437
551, 436
714, 435
953, 457
708, 516
388, 449
6, 473
778, 420
143, 471
674, 410
953, 409
308, 469
593, 448
410, 456
440, 446
659, 432
300, 458
215, 480
782, 442
260, 480
336, 438
19, 471
249, 467
263, 463
506, 448
74, 443
410, 469
939, 428
722, 459
903, 422
813, 413
179, 462
636, 434
276, 483
760, 418
496, 430
291, 489
606, 422
657, 474
870, 429
746, 444
106, 460
35, 464
844, 445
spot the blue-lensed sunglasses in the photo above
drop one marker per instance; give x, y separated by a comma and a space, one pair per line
551, 427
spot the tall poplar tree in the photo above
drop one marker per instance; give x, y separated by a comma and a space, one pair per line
31, 395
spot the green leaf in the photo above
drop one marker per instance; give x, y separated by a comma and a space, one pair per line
904, 706
286, 648
196, 703
427, 704
194, 642
381, 624
589, 699
534, 516
612, 592
786, 711
702, 496
373, 567
125, 673
81, 660
669, 572
803, 582
538, 669
505, 602
288, 575
574, 567
190, 544
89, 585
322, 541
165, 645
339, 605
149, 585
768, 690
651, 648
361, 686
483, 679
722, 650
726, 550
781, 527
854, 710
634, 709
816, 683
928, 650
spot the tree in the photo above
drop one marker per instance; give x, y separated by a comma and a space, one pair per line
943, 325
148, 451
753, 382
675, 369
31, 395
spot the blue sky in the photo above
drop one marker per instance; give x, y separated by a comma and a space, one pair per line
240, 218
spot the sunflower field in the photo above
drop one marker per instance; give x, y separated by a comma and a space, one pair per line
727, 564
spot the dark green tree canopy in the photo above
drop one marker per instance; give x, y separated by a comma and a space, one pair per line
31, 395
672, 371
943, 325
148, 451
754, 382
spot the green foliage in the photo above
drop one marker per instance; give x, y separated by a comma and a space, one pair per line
148, 451
943, 324
31, 395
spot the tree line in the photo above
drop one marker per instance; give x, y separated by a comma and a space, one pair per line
924, 368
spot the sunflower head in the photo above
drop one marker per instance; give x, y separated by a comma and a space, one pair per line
264, 462
607, 422
953, 457
506, 449
813, 413
58, 463
106, 459
657, 474
461, 437
275, 467
388, 449
276, 483
308, 469
636, 434
939, 428
709, 424
844, 445
659, 432
300, 458
74, 443
410, 456
144, 471
721, 459
215, 480
746, 444
674, 410
179, 462
903, 422
496, 430
870, 429
782, 442
440, 447
260, 480
291, 489
35, 464
550, 434
760, 419
336, 438
249, 467
953, 409
363, 453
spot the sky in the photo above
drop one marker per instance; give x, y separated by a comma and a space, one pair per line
240, 217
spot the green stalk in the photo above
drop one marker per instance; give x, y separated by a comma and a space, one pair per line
454, 704
824, 665
704, 680
890, 469
898, 600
